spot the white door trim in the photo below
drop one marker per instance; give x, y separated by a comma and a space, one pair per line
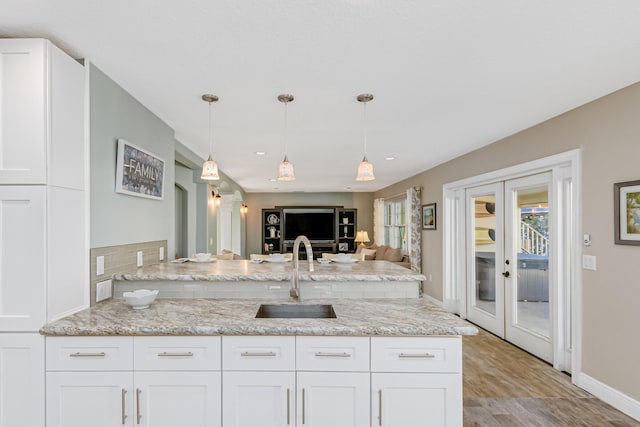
454, 293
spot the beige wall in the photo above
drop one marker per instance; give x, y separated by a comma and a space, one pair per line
608, 132
258, 201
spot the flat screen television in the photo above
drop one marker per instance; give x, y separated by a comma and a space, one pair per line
318, 224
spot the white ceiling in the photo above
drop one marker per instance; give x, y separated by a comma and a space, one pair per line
448, 76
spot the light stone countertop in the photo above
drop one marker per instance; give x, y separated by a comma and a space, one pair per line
243, 271
388, 317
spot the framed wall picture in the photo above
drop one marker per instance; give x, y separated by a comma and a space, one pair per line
139, 172
626, 208
429, 216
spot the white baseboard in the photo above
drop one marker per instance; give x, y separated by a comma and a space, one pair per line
613, 397
432, 299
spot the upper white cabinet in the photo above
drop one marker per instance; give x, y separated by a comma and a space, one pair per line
41, 115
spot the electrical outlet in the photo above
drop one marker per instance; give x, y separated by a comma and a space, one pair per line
589, 262
99, 265
103, 290
161, 253
139, 260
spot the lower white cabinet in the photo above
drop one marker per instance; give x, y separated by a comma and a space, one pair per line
333, 399
96, 399
265, 399
416, 400
21, 380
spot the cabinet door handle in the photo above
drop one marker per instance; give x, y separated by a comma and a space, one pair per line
417, 356
321, 354
288, 406
138, 414
78, 354
380, 407
166, 354
258, 354
303, 405
123, 414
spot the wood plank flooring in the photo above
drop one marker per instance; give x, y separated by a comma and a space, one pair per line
506, 386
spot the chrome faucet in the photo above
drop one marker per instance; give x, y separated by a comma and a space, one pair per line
294, 291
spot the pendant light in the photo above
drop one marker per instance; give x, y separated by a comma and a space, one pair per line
285, 171
210, 168
365, 168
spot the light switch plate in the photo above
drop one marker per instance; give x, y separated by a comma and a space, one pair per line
139, 260
100, 265
161, 253
589, 262
103, 290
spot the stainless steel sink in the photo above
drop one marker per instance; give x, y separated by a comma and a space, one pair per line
296, 311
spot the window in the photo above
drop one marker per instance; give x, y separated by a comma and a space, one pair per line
394, 224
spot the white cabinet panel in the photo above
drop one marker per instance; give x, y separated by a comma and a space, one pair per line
258, 353
96, 399
22, 258
265, 399
21, 380
89, 353
333, 399
23, 119
416, 400
177, 353
170, 399
332, 354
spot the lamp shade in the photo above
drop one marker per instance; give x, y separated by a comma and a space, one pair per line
285, 171
210, 170
362, 236
365, 171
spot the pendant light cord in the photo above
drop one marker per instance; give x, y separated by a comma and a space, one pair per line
364, 128
285, 129
210, 133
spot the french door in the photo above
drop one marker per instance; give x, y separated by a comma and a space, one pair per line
509, 257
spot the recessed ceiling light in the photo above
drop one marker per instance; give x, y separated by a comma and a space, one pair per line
390, 158
272, 179
260, 153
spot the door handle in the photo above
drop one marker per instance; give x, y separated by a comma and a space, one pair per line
506, 274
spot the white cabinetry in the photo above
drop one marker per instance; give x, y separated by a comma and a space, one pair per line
416, 382
141, 381
42, 208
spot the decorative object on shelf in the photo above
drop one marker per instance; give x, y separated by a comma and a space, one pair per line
365, 168
626, 209
362, 237
343, 246
138, 172
429, 216
273, 219
210, 168
345, 220
285, 171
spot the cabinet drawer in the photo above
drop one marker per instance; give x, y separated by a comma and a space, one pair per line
176, 353
332, 354
416, 354
89, 353
264, 353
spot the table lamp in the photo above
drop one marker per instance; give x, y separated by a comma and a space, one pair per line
362, 237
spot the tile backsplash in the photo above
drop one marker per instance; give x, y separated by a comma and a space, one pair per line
122, 258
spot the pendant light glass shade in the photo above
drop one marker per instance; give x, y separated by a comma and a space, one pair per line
365, 168
210, 168
285, 170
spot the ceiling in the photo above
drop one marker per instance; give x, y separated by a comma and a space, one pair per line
449, 76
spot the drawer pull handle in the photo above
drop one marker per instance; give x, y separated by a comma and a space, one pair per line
101, 354
288, 406
123, 415
321, 354
416, 356
258, 354
185, 354
380, 407
303, 410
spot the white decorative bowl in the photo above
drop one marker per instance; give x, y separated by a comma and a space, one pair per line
140, 298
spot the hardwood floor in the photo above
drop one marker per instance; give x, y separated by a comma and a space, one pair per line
505, 386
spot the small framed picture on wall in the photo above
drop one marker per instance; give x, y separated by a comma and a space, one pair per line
429, 216
626, 208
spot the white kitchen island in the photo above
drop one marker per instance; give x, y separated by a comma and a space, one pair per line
206, 362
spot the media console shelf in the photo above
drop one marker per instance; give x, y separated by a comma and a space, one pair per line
330, 228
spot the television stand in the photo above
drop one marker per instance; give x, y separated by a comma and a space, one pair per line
318, 249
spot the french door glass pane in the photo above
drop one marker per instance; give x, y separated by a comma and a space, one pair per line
484, 247
532, 266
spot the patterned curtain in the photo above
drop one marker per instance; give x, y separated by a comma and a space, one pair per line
378, 221
414, 234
